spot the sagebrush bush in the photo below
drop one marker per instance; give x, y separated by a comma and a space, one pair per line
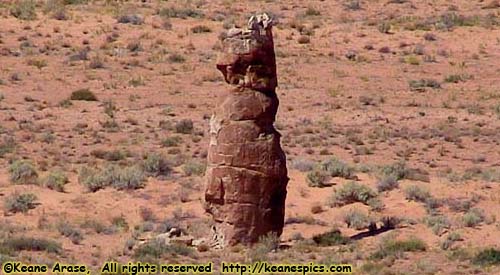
193, 167
488, 256
417, 193
387, 183
357, 219
18, 202
352, 192
131, 177
438, 223
318, 178
23, 172
392, 247
56, 180
29, 244
171, 141
184, 126
24, 9
7, 145
83, 94
70, 232
157, 165
333, 237
473, 217
338, 168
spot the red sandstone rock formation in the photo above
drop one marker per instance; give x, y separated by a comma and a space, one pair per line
246, 173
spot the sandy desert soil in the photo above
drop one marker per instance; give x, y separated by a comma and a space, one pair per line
400, 99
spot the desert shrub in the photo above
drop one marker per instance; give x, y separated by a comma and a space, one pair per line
451, 238
7, 145
311, 11
120, 222
194, 168
421, 84
352, 5
356, 219
473, 217
20, 202
455, 78
387, 183
173, 12
417, 193
397, 170
68, 231
133, 19
113, 155
437, 223
303, 165
185, 126
392, 247
171, 141
333, 237
267, 243
176, 58
131, 177
23, 172
128, 178
56, 180
352, 192
156, 249
96, 62
24, 9
157, 165
318, 178
488, 256
200, 29
29, 244
83, 94
338, 168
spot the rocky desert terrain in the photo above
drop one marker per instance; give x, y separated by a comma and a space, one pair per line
389, 115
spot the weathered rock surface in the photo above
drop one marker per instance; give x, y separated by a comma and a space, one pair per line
246, 173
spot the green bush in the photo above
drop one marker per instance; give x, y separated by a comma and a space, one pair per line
318, 178
333, 237
24, 9
115, 176
200, 29
184, 126
338, 168
23, 172
56, 180
83, 94
112, 155
438, 224
387, 183
20, 202
171, 141
14, 244
194, 168
173, 12
352, 192
8, 145
157, 165
391, 247
421, 84
68, 231
417, 193
488, 256
158, 249
473, 217
356, 219
176, 58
